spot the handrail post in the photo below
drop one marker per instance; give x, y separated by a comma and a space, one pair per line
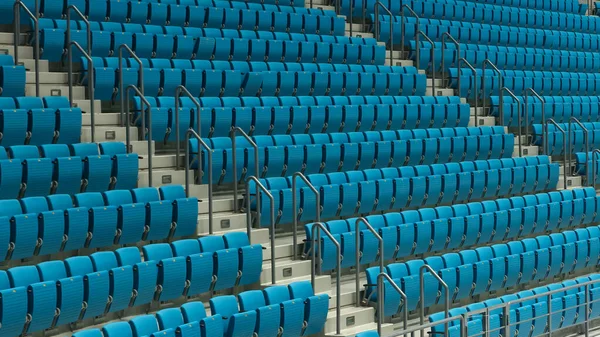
586, 141
379, 4
381, 300
444, 36
90, 86
433, 92
357, 267
178, 91
595, 153
191, 132
535, 94
260, 187
140, 79
511, 94
546, 151
463, 60
295, 208
148, 134
488, 62
36, 34
351, 18
316, 235
232, 134
403, 24
422, 294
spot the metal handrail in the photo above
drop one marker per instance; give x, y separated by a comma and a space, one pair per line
464, 60
357, 267
595, 152
381, 301
188, 133
422, 295
586, 137
148, 134
140, 78
295, 210
545, 143
403, 24
513, 303
433, 92
263, 189
379, 4
444, 36
535, 94
90, 86
182, 89
232, 134
318, 227
501, 112
488, 62
36, 34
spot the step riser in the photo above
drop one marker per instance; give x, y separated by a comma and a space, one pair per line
359, 316
222, 222
291, 270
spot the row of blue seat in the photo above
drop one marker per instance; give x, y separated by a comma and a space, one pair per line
256, 121
383, 194
562, 309
38, 226
53, 44
188, 320
575, 140
223, 83
244, 66
403, 239
500, 15
170, 13
40, 126
516, 58
196, 32
213, 17
312, 101
293, 308
56, 168
554, 107
429, 236
468, 32
544, 83
319, 153
570, 6
474, 272
475, 220
58, 292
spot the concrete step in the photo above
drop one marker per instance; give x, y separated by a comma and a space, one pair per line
351, 316
356, 27
386, 329
223, 221
397, 54
220, 204
400, 63
364, 35
572, 182
438, 82
480, 111
440, 91
84, 105
286, 269
140, 147
101, 119
322, 282
527, 150
483, 121
108, 134
29, 64
48, 78
284, 247
79, 92
158, 161
162, 177
25, 52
